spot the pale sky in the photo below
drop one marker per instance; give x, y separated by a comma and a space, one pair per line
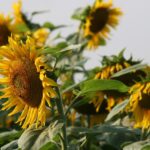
133, 32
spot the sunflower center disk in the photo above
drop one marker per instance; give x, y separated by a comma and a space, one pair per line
4, 34
145, 101
26, 83
99, 19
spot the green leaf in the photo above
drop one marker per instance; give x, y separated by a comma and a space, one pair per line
8, 136
102, 42
49, 146
101, 85
81, 13
51, 26
39, 12
34, 139
129, 70
22, 28
11, 146
140, 145
116, 110
57, 50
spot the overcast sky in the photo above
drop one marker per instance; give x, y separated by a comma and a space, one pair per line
133, 32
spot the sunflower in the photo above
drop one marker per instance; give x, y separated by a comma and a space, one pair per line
112, 65
40, 36
140, 104
98, 22
5, 29
27, 86
18, 15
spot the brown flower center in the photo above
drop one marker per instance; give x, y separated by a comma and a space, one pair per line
4, 34
26, 83
145, 102
99, 19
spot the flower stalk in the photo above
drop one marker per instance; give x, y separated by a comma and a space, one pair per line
63, 117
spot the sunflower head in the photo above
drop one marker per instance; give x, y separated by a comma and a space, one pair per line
97, 24
112, 65
140, 104
5, 31
27, 87
115, 63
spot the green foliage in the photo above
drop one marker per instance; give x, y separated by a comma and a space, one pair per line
102, 85
130, 70
34, 139
51, 26
140, 145
8, 136
116, 110
81, 13
11, 146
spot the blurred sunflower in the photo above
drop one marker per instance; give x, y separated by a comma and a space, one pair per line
98, 22
5, 29
27, 86
140, 104
112, 65
18, 15
95, 107
23, 25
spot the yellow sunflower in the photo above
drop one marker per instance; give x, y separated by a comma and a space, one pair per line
5, 29
97, 25
27, 86
140, 104
113, 97
108, 71
40, 36
18, 16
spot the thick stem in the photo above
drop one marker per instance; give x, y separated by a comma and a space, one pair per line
63, 117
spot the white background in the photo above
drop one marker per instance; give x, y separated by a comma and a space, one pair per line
133, 32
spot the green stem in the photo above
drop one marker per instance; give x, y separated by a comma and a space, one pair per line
63, 117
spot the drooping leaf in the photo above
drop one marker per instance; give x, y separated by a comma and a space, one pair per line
34, 139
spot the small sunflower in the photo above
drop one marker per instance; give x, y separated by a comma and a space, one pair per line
18, 16
5, 29
40, 36
97, 24
140, 104
27, 86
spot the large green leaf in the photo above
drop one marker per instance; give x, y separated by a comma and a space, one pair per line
116, 110
102, 85
129, 70
34, 139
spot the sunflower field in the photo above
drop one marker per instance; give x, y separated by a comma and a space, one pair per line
44, 107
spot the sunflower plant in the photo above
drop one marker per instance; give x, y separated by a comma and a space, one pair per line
44, 107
